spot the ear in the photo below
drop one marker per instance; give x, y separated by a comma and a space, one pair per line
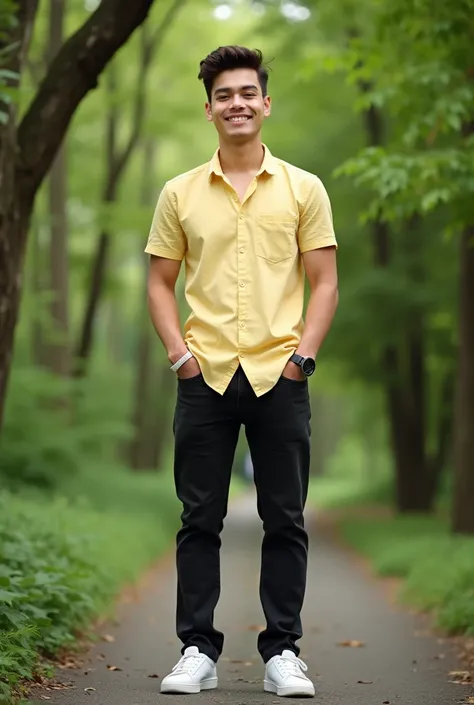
208, 110
267, 106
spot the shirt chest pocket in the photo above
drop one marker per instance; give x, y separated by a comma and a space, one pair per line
275, 237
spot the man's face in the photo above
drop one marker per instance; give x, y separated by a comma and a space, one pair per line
237, 106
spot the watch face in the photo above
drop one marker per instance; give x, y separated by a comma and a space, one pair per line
308, 366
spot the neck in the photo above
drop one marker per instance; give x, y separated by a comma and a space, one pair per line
241, 158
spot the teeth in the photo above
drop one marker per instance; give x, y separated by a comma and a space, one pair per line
238, 119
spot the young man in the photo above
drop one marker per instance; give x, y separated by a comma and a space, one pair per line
249, 226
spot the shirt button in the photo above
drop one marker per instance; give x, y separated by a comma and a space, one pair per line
241, 355
241, 250
242, 325
241, 217
241, 284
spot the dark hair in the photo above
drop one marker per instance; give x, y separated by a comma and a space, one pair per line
228, 58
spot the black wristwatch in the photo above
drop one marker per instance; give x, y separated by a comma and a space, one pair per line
307, 364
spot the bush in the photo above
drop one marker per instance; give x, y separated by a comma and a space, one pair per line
62, 562
43, 440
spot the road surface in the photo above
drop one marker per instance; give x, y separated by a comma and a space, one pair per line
392, 658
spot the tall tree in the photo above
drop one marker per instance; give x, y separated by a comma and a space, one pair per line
421, 61
59, 350
118, 159
28, 149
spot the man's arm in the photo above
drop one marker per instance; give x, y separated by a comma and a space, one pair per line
163, 307
321, 271
167, 247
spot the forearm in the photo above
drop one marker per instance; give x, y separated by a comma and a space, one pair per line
321, 309
164, 314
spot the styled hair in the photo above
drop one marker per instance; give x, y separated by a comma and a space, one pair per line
228, 58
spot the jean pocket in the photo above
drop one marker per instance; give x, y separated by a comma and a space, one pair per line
187, 380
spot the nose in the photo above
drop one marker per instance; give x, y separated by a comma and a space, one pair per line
237, 101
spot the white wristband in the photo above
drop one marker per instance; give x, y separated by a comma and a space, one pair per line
181, 361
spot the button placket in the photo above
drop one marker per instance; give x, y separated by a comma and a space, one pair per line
242, 289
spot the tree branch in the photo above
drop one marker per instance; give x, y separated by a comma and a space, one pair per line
73, 73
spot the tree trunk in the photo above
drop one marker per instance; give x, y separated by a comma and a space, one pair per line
404, 383
26, 154
117, 162
59, 352
463, 504
144, 405
39, 352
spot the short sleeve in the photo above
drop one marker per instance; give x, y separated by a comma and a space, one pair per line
166, 238
316, 224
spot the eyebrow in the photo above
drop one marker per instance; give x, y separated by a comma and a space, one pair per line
242, 88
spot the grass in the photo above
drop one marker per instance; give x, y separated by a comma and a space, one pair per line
436, 568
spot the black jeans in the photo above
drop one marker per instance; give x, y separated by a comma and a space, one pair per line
206, 427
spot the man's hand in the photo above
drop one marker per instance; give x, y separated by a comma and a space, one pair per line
189, 369
294, 372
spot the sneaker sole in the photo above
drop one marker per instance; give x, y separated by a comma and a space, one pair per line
289, 691
189, 689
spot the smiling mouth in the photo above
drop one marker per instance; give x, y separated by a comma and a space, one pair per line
238, 118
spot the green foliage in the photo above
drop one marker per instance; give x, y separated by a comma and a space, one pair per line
437, 568
417, 68
8, 78
43, 441
63, 561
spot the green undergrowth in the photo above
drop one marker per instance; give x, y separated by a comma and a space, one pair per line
64, 559
437, 567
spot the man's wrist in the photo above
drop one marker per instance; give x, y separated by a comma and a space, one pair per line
305, 352
176, 354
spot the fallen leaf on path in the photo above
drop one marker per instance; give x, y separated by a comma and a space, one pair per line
114, 668
45, 697
386, 702
365, 682
439, 657
353, 643
108, 638
153, 675
461, 676
101, 657
469, 699
89, 690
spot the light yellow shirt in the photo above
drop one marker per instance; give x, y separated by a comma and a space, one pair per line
244, 277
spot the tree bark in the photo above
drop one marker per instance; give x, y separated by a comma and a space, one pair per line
463, 504
59, 351
26, 154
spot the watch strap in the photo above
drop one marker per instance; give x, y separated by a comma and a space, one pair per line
297, 359
179, 363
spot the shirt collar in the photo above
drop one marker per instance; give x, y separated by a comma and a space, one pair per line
268, 164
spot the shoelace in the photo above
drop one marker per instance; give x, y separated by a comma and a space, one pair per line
187, 664
291, 666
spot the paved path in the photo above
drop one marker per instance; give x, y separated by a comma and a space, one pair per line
398, 664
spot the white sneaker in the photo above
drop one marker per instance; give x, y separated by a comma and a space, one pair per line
193, 672
284, 675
